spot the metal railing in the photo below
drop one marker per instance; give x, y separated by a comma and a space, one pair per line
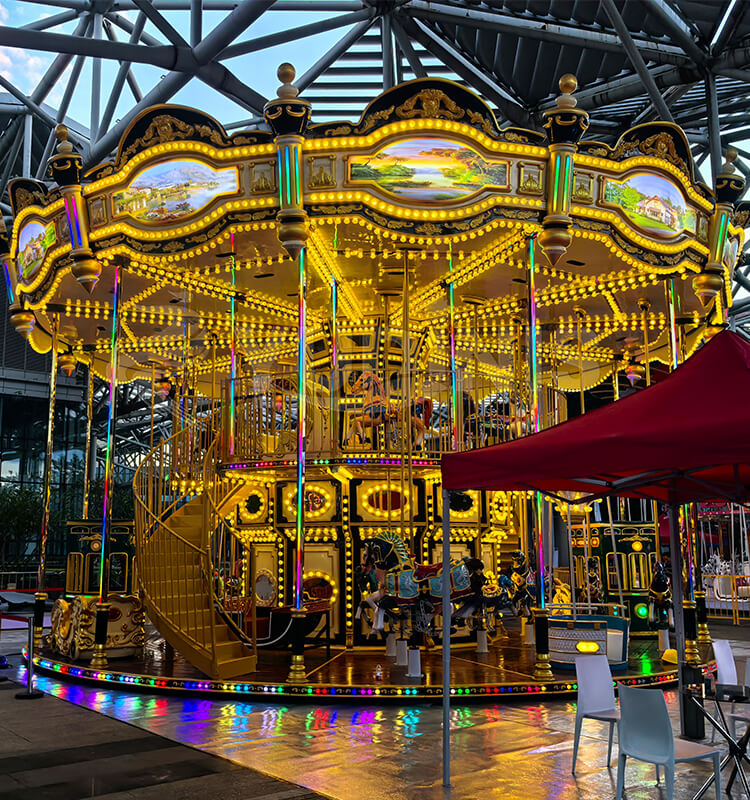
385, 423
727, 596
173, 564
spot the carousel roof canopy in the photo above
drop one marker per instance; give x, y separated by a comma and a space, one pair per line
637, 446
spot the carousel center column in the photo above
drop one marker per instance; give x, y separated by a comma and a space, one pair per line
288, 117
564, 125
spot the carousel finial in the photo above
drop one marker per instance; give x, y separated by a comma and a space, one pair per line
286, 74
61, 134
727, 168
568, 84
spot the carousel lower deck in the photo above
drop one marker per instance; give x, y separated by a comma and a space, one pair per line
341, 674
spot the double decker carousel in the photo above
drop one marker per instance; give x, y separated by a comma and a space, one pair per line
329, 308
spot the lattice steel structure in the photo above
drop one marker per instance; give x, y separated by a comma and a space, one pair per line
636, 60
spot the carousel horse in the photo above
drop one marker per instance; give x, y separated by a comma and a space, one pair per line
485, 604
377, 410
593, 590
522, 580
409, 589
659, 599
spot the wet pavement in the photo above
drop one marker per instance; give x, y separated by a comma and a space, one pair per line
391, 752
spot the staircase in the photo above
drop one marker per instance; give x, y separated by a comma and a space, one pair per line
175, 525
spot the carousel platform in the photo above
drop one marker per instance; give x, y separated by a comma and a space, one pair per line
350, 675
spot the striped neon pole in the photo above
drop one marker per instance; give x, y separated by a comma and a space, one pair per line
233, 352
299, 554
452, 336
535, 407
110, 455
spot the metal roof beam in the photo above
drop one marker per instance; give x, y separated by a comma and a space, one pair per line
215, 42
162, 56
50, 22
293, 34
470, 72
678, 28
408, 50
325, 61
122, 73
636, 59
159, 22
532, 29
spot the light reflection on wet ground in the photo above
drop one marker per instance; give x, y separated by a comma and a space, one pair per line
355, 752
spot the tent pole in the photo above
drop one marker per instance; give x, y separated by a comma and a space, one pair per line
675, 554
446, 640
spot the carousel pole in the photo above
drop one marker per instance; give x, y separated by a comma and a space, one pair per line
288, 116
407, 392
99, 658
452, 341
579, 312
233, 354
87, 460
644, 305
41, 595
297, 669
333, 389
542, 669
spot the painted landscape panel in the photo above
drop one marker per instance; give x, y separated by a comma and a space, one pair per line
652, 203
429, 170
33, 242
173, 189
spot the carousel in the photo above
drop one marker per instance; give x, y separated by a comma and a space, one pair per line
329, 308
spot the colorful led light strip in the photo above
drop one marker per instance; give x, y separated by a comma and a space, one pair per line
109, 462
8, 284
74, 204
301, 408
452, 334
281, 181
288, 181
232, 353
69, 217
672, 308
298, 197
555, 198
535, 406
566, 185
191, 686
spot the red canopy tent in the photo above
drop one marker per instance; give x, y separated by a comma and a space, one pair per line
683, 440
686, 439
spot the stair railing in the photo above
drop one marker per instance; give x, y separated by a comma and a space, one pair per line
219, 534
174, 572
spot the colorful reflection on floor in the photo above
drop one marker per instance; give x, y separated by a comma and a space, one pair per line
355, 752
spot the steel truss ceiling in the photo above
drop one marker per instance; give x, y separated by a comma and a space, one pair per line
636, 60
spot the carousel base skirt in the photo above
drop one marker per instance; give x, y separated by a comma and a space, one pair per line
351, 675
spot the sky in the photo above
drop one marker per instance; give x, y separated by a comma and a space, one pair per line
24, 69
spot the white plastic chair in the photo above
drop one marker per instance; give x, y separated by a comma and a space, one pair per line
645, 733
596, 698
726, 676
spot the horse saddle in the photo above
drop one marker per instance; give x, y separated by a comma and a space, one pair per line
424, 571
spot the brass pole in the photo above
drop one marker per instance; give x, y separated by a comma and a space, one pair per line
87, 453
406, 343
644, 305
41, 595
579, 312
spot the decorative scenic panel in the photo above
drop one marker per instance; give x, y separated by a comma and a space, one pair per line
33, 242
651, 202
173, 189
429, 170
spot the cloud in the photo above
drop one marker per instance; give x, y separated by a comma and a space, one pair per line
3, 14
